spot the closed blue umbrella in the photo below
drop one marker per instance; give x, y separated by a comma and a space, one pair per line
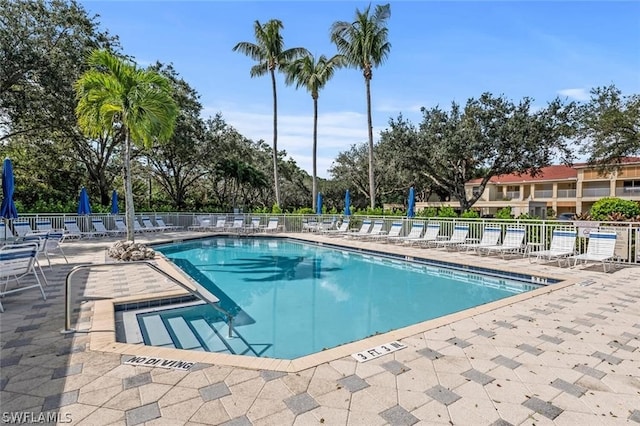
114, 202
412, 203
8, 208
347, 203
319, 204
83, 205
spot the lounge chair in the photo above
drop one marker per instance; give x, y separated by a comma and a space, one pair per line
416, 232
375, 230
168, 226
120, 225
237, 225
150, 226
394, 231
41, 242
200, 224
364, 229
310, 225
600, 248
137, 227
53, 244
490, 238
254, 226
512, 243
563, 244
16, 262
273, 225
459, 236
73, 231
430, 235
23, 227
44, 225
98, 225
341, 230
220, 224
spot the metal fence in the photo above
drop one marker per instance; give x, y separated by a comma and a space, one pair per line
538, 232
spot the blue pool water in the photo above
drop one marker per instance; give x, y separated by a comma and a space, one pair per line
291, 298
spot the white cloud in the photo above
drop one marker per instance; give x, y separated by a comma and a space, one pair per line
577, 94
394, 107
337, 131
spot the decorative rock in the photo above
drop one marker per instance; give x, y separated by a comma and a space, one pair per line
130, 251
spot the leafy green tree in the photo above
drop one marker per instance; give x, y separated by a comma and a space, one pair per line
313, 75
605, 207
269, 52
364, 44
610, 126
490, 137
115, 94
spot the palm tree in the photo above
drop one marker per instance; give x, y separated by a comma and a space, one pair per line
135, 105
269, 52
305, 71
365, 46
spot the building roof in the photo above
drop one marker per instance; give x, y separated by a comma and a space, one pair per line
550, 173
623, 160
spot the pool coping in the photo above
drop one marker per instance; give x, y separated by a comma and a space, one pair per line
102, 332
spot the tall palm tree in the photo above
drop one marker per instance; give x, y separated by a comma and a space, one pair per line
135, 105
313, 75
364, 43
269, 52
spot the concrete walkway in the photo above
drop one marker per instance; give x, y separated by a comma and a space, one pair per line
565, 357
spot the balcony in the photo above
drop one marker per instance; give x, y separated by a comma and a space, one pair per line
596, 192
566, 193
545, 193
630, 191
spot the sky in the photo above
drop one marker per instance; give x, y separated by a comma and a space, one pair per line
441, 52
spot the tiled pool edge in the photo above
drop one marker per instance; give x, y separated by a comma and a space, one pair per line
103, 338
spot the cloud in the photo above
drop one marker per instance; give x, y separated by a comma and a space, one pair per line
337, 131
394, 107
577, 94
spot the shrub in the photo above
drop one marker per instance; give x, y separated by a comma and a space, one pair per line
276, 209
614, 208
470, 214
504, 213
447, 211
428, 212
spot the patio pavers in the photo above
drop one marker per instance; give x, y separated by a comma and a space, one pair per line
559, 358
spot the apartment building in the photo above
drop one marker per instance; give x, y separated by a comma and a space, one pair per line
564, 189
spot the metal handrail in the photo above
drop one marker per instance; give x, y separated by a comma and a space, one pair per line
203, 294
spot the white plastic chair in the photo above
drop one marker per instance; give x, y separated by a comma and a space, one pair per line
98, 225
73, 231
342, 229
513, 242
376, 229
490, 238
169, 226
600, 248
16, 263
273, 225
394, 231
150, 226
364, 229
563, 244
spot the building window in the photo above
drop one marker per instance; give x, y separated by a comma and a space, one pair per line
631, 185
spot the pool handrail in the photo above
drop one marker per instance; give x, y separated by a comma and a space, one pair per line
201, 294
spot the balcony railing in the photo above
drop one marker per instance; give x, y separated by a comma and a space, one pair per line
545, 193
566, 193
596, 192
631, 191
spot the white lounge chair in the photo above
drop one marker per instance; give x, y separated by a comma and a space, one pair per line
416, 232
98, 225
254, 226
137, 227
73, 231
201, 223
53, 244
394, 231
310, 225
150, 226
237, 225
512, 243
23, 227
490, 237
44, 225
17, 262
341, 230
273, 225
375, 230
600, 248
219, 225
364, 229
169, 226
563, 244
120, 225
459, 236
430, 235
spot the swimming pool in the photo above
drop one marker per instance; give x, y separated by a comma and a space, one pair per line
292, 298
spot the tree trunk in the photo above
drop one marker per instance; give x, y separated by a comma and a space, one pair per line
372, 182
314, 188
275, 137
128, 188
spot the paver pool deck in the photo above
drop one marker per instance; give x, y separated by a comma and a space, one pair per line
565, 355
